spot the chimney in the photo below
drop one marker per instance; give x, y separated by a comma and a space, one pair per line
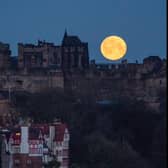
24, 140
51, 136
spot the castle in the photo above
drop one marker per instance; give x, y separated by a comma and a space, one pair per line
47, 66
71, 54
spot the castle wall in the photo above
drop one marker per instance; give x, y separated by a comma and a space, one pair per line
113, 87
42, 55
31, 83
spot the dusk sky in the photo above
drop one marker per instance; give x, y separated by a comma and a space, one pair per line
142, 23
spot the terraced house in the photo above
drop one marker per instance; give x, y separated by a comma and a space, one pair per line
36, 145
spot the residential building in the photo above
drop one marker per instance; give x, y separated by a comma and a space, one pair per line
38, 144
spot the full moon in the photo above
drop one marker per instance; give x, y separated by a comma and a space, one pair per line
113, 48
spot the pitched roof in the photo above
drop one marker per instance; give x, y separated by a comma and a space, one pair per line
40, 129
70, 40
43, 127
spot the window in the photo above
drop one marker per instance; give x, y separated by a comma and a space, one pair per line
17, 161
72, 49
72, 60
29, 161
160, 82
19, 82
66, 136
65, 153
40, 150
59, 143
56, 152
65, 162
66, 144
80, 49
16, 149
66, 49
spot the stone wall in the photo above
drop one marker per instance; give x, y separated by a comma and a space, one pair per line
101, 86
31, 83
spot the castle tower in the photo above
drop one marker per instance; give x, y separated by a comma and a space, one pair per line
74, 53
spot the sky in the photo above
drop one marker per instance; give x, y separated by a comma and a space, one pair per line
141, 23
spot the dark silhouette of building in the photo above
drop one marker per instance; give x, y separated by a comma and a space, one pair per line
13, 62
42, 55
4, 55
152, 63
74, 53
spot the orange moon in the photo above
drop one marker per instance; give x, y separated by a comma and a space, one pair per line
113, 48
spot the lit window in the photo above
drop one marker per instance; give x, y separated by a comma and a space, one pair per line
18, 134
